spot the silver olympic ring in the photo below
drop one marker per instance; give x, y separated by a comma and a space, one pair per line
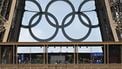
79, 9
40, 16
53, 1
50, 38
82, 38
63, 25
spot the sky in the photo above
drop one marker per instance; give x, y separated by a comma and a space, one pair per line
59, 9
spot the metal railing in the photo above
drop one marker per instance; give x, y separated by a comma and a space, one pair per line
105, 65
61, 66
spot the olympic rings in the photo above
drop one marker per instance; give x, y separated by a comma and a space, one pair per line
51, 2
40, 16
82, 21
50, 38
82, 38
63, 24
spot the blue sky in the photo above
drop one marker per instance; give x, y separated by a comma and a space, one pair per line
60, 9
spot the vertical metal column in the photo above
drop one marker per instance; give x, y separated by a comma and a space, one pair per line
44, 54
74, 54
14, 54
9, 56
107, 46
111, 21
9, 22
0, 55
121, 53
105, 55
77, 53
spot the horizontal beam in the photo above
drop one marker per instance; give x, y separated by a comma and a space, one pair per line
61, 43
61, 66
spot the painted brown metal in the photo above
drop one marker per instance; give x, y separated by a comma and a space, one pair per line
61, 66
9, 22
59, 43
106, 46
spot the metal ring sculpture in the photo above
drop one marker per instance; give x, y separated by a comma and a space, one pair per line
56, 24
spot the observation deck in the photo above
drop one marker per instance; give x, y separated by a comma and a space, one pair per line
107, 64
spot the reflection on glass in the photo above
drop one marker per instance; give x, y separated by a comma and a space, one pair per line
30, 55
29, 58
60, 55
90, 54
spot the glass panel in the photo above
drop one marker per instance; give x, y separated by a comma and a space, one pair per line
60, 58
89, 49
30, 49
33, 55
60, 21
64, 49
90, 54
60, 54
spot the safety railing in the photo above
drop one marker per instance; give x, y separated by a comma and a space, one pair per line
61, 66
107, 64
